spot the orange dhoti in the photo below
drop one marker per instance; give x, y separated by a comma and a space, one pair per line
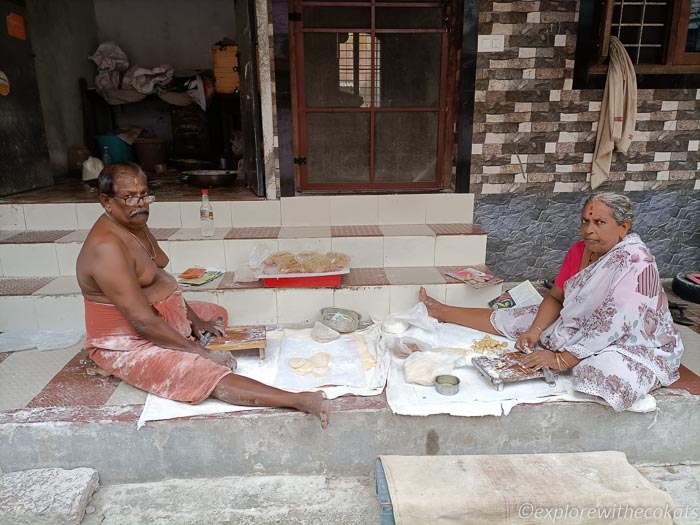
115, 347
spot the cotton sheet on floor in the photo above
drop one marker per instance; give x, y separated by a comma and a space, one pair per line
477, 397
350, 353
582, 488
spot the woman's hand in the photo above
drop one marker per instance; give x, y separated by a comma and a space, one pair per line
541, 358
528, 340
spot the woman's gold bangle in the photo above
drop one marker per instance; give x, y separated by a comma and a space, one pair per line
535, 326
558, 358
565, 361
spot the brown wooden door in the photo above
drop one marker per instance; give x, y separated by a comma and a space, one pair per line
372, 88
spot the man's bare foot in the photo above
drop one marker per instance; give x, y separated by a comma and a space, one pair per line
434, 307
317, 404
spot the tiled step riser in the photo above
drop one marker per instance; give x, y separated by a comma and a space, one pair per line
58, 258
323, 210
253, 306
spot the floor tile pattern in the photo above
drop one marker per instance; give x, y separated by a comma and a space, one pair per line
356, 231
365, 277
36, 236
456, 229
23, 286
268, 232
163, 234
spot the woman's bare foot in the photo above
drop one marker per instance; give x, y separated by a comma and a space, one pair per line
317, 404
434, 307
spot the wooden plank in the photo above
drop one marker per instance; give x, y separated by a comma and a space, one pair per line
240, 338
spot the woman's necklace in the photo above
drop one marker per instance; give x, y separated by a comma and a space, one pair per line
150, 242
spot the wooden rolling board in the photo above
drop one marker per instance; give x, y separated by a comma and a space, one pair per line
241, 338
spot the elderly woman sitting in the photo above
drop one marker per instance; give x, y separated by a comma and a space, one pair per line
606, 317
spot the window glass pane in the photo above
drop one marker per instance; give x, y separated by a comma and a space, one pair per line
338, 147
408, 17
340, 17
406, 147
692, 44
408, 70
337, 69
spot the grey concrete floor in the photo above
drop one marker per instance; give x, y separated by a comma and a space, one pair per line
309, 500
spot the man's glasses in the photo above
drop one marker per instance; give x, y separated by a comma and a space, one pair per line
133, 200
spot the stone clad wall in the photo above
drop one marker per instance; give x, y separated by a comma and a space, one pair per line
533, 132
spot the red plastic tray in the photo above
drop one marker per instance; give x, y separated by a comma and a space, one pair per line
302, 282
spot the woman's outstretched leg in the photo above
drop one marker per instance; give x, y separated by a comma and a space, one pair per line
476, 318
240, 390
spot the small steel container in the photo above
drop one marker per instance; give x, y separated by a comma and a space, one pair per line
447, 385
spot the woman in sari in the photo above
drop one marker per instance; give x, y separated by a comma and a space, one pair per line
606, 318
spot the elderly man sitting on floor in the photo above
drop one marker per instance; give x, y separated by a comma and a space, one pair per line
139, 327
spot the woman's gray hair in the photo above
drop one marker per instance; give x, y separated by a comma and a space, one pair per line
620, 206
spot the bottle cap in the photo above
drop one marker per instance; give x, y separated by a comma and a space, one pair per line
205, 192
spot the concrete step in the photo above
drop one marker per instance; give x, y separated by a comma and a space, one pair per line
273, 442
54, 252
317, 210
312, 500
56, 302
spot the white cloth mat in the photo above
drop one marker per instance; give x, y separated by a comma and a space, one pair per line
477, 397
367, 383
43, 340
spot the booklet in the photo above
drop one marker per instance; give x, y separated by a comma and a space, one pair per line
522, 295
208, 275
475, 278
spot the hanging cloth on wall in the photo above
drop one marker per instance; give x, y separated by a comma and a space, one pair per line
618, 112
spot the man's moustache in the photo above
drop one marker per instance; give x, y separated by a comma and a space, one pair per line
140, 211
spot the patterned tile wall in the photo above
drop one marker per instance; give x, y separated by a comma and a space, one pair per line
533, 132
530, 233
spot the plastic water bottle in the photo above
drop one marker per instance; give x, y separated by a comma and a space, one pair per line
106, 156
206, 215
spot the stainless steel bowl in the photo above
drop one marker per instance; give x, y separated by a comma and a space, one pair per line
208, 178
447, 385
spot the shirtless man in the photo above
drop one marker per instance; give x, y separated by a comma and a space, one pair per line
139, 328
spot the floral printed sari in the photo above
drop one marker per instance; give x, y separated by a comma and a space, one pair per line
615, 319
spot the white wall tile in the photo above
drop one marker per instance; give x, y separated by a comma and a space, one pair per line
12, 217
364, 252
60, 312
354, 209
208, 254
301, 245
67, 255
457, 250
404, 297
190, 218
449, 207
466, 296
87, 214
17, 312
29, 260
402, 209
50, 216
201, 296
250, 307
255, 213
409, 251
306, 211
302, 305
368, 301
238, 251
164, 215
66, 285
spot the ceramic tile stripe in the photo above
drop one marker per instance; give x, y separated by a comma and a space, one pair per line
4, 355
24, 286
24, 374
228, 283
356, 231
163, 234
5, 234
456, 229
266, 232
72, 387
365, 277
36, 236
